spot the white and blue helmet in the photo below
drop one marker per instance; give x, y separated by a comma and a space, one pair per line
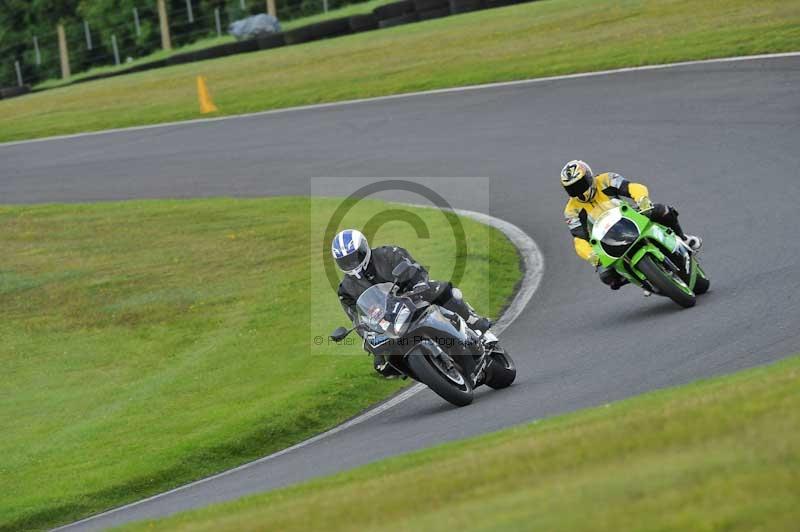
351, 251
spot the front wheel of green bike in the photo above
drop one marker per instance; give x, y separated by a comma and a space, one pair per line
667, 282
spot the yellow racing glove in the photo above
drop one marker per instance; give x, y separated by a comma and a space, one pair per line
645, 204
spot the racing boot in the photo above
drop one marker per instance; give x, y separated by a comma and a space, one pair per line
694, 242
611, 278
383, 367
616, 284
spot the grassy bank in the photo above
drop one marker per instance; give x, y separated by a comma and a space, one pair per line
722, 454
530, 40
149, 343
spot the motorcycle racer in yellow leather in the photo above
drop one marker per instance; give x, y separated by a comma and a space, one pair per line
589, 194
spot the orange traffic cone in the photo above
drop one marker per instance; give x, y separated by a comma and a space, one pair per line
206, 103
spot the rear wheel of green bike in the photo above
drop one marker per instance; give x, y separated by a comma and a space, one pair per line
701, 282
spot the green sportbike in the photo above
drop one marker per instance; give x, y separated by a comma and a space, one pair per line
646, 253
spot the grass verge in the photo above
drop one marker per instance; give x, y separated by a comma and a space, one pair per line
543, 38
722, 454
149, 343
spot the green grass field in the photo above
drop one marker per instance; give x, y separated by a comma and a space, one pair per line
530, 40
722, 454
149, 343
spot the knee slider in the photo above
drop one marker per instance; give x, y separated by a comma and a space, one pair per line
608, 276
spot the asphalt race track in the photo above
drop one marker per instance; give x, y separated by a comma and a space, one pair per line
720, 141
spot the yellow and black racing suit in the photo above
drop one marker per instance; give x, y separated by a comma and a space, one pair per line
580, 216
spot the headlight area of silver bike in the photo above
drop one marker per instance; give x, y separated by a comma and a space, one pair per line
378, 325
401, 321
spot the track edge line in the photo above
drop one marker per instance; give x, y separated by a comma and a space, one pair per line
446, 90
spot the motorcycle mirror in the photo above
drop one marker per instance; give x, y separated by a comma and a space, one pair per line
339, 334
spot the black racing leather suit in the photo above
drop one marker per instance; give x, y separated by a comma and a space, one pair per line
379, 270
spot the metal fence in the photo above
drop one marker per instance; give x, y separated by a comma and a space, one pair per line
91, 44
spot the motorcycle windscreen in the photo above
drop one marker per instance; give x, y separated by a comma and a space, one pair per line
619, 237
372, 304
